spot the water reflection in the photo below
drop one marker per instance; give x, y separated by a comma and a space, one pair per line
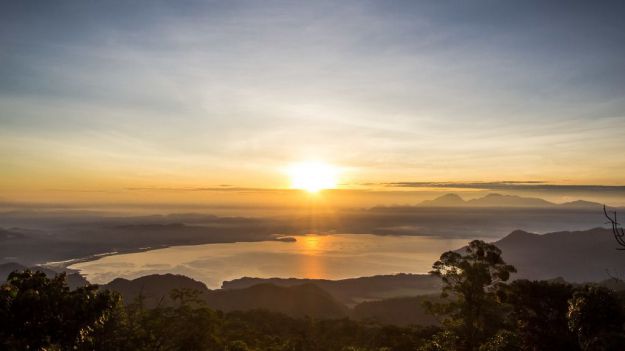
310, 256
311, 244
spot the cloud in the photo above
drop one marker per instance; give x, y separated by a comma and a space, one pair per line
228, 188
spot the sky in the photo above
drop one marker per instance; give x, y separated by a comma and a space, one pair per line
111, 97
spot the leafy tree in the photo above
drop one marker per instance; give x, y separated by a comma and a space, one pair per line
188, 326
539, 313
597, 318
445, 340
471, 281
504, 340
41, 313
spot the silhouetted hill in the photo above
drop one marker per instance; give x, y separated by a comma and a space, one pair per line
401, 311
578, 256
299, 300
154, 288
355, 290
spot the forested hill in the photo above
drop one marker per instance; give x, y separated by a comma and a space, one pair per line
355, 290
297, 300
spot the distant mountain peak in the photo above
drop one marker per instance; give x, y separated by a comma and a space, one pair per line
519, 235
489, 200
581, 204
501, 200
450, 196
447, 200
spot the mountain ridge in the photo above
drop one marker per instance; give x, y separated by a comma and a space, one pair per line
503, 200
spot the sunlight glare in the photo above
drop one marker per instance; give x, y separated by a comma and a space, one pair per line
313, 176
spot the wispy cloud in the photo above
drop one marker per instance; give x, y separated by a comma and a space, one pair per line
228, 188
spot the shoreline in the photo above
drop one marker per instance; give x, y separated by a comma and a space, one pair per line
64, 265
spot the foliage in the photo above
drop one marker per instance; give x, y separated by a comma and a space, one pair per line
504, 340
539, 313
41, 313
471, 282
445, 340
597, 318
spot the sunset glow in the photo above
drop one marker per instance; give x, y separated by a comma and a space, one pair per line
313, 176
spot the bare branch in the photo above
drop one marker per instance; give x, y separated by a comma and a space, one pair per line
617, 230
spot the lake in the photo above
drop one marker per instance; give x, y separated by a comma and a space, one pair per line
337, 256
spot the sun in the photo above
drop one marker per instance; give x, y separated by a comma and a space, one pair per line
313, 176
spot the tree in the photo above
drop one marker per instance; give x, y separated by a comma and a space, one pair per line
471, 281
539, 313
189, 325
597, 318
40, 313
504, 340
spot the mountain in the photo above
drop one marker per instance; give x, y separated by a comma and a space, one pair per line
499, 200
581, 204
447, 200
355, 290
298, 300
577, 256
155, 288
490, 200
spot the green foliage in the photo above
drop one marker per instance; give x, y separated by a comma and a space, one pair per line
471, 283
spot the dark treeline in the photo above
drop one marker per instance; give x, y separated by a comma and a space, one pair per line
479, 311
